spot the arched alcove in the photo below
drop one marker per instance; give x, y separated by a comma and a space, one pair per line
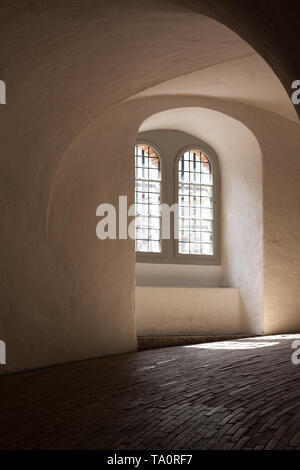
241, 267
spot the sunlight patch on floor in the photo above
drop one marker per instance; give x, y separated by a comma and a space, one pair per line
233, 345
246, 343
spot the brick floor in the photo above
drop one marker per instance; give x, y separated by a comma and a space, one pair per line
229, 395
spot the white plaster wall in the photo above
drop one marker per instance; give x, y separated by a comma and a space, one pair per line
210, 311
242, 221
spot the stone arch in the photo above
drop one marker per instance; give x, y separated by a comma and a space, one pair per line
67, 297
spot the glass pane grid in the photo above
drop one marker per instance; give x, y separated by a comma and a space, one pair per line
147, 200
195, 199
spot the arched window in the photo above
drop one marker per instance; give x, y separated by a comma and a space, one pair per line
195, 182
147, 199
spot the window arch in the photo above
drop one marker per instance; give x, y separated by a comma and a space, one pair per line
196, 204
147, 199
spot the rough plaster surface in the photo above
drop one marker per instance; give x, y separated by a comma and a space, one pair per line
248, 79
212, 311
66, 146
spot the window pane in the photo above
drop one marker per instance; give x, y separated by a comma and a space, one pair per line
195, 199
147, 199
183, 248
154, 247
141, 245
154, 222
207, 249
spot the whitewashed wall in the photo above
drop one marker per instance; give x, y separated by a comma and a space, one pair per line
187, 311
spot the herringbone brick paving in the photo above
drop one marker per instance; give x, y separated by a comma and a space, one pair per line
242, 394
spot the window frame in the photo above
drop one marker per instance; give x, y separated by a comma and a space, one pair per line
169, 186
215, 259
145, 256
